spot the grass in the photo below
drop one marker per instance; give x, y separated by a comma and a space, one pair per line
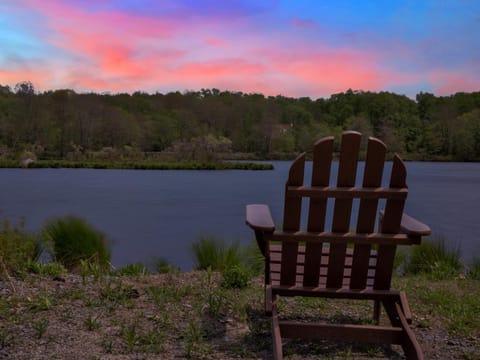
238, 264
456, 301
213, 253
72, 240
92, 323
163, 266
432, 258
474, 269
18, 248
52, 269
136, 269
39, 164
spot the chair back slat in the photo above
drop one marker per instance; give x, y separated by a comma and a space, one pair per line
390, 225
347, 171
291, 222
367, 212
322, 161
320, 256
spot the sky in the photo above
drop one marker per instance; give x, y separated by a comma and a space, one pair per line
294, 48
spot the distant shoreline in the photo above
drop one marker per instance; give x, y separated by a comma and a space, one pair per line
131, 165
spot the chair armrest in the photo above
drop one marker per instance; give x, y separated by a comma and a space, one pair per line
259, 218
411, 226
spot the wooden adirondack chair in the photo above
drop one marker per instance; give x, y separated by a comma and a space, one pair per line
340, 263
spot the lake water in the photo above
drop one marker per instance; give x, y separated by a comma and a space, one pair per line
149, 214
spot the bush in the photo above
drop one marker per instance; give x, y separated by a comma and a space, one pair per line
162, 266
17, 248
433, 258
236, 277
53, 269
71, 240
136, 269
215, 254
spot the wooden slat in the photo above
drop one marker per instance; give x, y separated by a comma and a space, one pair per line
390, 225
345, 238
410, 345
342, 332
347, 171
342, 293
276, 336
275, 269
292, 207
320, 192
291, 221
322, 161
275, 252
367, 211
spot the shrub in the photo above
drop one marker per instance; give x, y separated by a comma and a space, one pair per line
53, 269
17, 248
162, 266
136, 269
236, 277
215, 254
433, 258
71, 240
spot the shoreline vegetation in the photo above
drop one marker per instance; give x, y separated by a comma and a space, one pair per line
130, 165
215, 311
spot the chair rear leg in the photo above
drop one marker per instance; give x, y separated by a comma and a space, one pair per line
376, 311
276, 335
410, 345
268, 300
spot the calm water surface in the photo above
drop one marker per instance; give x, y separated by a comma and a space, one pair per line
147, 214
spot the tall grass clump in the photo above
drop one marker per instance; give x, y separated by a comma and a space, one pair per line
474, 269
238, 264
434, 259
17, 248
72, 240
215, 254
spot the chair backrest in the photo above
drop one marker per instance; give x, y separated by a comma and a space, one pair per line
328, 260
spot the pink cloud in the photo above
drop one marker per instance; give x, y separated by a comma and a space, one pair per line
13, 76
446, 83
216, 42
303, 23
111, 42
324, 71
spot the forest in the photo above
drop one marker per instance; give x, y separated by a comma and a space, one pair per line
211, 124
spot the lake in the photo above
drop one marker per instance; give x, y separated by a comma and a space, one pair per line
149, 214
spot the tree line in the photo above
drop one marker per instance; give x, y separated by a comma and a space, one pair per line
197, 125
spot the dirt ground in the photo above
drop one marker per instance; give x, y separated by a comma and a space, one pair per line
185, 315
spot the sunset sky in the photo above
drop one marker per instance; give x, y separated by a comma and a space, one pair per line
290, 47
